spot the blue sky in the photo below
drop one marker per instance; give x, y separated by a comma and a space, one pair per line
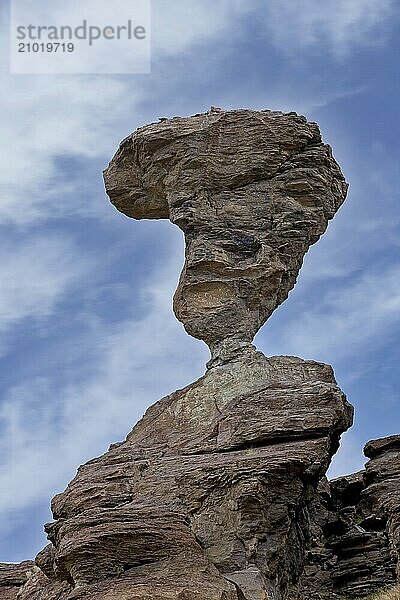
87, 335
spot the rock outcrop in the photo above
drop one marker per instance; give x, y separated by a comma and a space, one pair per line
354, 548
208, 496
218, 493
13, 577
251, 190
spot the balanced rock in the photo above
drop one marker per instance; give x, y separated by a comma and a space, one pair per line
210, 496
251, 190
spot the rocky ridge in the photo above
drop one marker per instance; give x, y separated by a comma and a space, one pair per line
354, 546
219, 492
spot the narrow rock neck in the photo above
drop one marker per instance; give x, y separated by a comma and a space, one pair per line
228, 350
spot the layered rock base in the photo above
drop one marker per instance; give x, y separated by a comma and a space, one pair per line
219, 492
354, 547
209, 495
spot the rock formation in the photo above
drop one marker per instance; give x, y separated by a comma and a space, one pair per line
208, 490
250, 190
12, 578
218, 493
354, 546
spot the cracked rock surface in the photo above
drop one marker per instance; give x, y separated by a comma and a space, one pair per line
207, 497
219, 492
251, 190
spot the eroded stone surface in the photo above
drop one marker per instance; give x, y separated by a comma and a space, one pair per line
12, 577
207, 498
354, 548
351, 543
251, 190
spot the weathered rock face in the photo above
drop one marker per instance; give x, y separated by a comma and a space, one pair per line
251, 190
212, 494
207, 498
12, 578
354, 548
347, 533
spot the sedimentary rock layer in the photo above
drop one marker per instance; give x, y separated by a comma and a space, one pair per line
208, 496
251, 190
354, 548
12, 578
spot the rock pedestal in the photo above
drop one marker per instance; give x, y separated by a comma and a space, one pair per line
208, 496
218, 492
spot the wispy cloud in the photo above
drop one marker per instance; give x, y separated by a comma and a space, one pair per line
36, 272
43, 118
179, 26
336, 26
357, 316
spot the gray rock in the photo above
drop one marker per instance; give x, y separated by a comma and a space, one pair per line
251, 190
218, 490
209, 491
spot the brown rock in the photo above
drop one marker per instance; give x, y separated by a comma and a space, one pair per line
251, 190
210, 490
382, 491
376, 447
355, 548
39, 587
12, 578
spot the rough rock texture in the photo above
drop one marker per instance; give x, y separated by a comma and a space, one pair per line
12, 578
218, 493
354, 549
207, 498
251, 190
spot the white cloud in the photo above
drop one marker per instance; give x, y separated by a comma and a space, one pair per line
337, 26
182, 24
334, 25
356, 315
35, 274
46, 117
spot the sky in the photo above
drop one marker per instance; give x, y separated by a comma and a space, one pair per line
88, 339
